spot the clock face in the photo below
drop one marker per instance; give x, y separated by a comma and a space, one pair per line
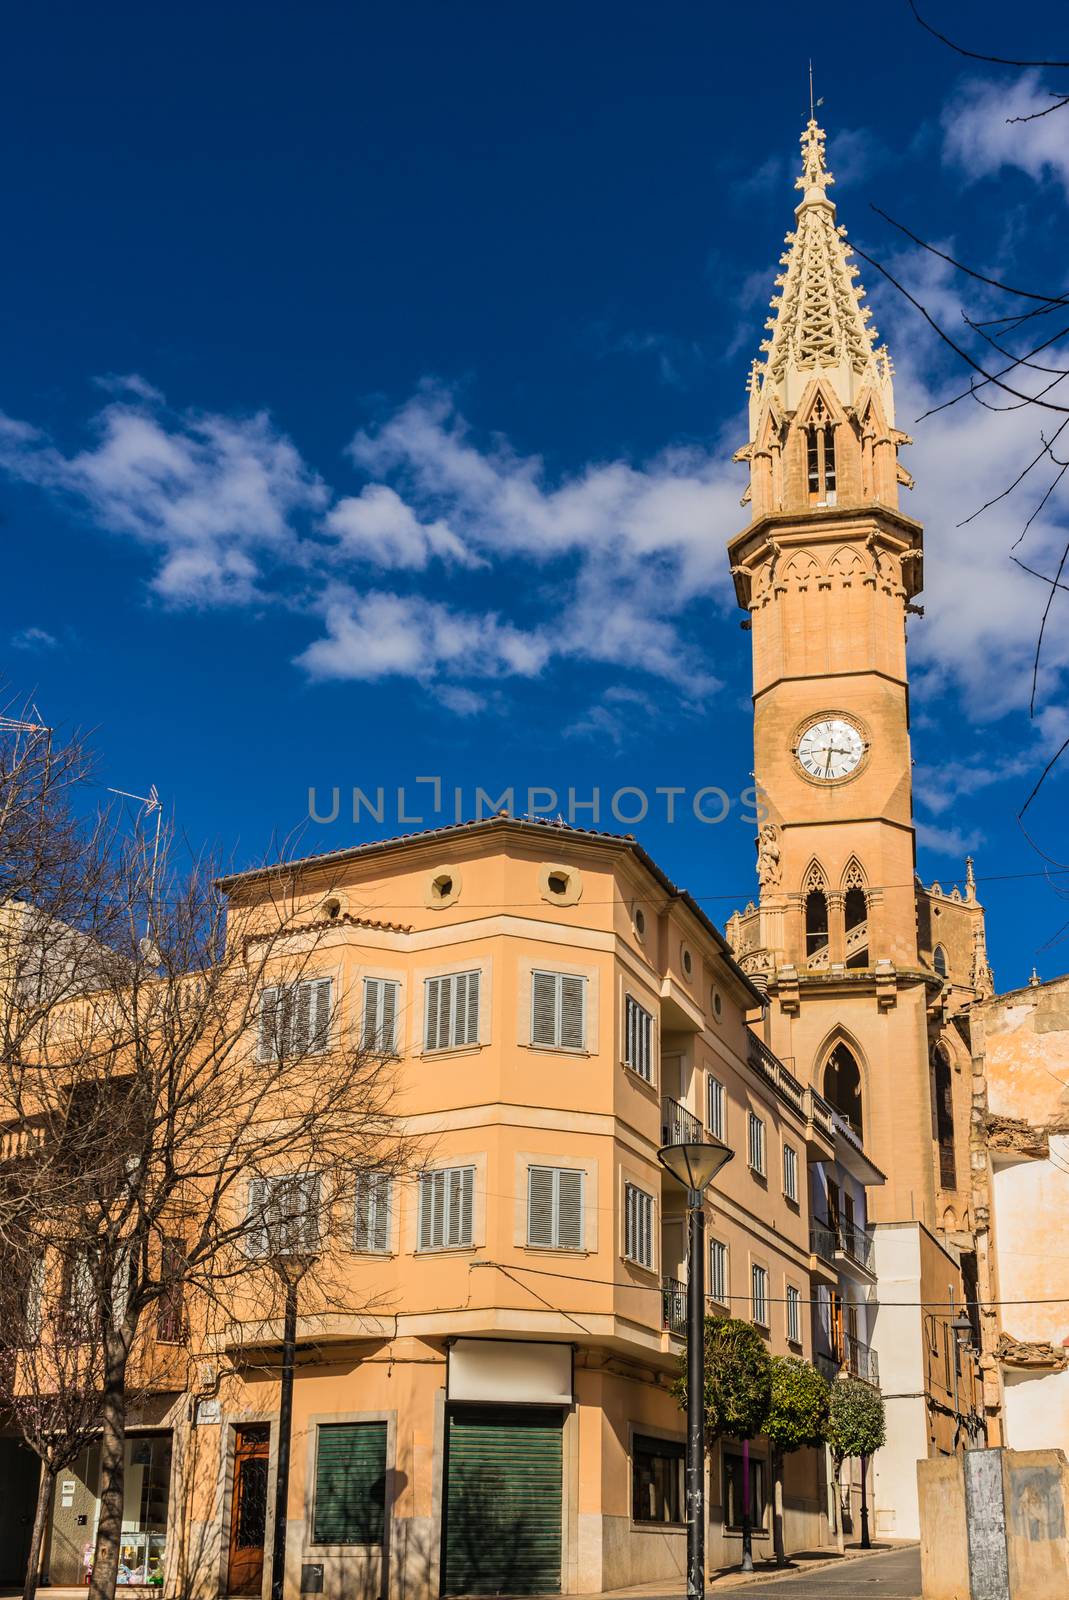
830, 749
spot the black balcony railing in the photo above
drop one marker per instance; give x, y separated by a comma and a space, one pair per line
678, 1125
860, 1360
674, 1296
822, 1241
857, 1244
771, 1068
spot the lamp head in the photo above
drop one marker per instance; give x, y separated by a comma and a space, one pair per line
695, 1165
962, 1328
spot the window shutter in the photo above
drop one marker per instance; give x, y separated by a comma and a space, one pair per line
569, 1210
447, 999
269, 1021
430, 1031
302, 1020
629, 1222
572, 997
371, 1223
350, 1484
256, 1236
430, 1209
461, 1205
388, 1026
471, 1034
372, 1025
322, 1005
544, 1008
540, 1205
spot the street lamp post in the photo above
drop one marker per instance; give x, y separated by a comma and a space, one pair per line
695, 1166
961, 1328
291, 1269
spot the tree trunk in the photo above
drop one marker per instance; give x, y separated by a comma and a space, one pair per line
777, 1507
112, 1470
37, 1539
837, 1479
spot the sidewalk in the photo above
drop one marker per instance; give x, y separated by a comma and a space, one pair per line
800, 1561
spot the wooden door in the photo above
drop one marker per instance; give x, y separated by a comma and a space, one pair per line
248, 1513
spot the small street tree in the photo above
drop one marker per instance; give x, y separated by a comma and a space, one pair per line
857, 1426
738, 1393
797, 1419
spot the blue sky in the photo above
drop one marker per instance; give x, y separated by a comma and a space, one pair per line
371, 377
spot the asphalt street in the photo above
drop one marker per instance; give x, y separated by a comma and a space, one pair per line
887, 1575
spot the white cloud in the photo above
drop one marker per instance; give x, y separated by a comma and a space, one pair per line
954, 842
215, 495
980, 137
377, 526
378, 635
33, 639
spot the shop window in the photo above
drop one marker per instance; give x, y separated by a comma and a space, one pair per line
657, 1480
350, 1483
733, 1481
143, 1542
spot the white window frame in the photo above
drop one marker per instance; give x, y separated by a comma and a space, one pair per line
794, 1314
790, 1173
451, 1178
379, 1044
319, 1012
559, 979
759, 1294
639, 1224
554, 1242
755, 1143
718, 1253
458, 1039
715, 1094
638, 1038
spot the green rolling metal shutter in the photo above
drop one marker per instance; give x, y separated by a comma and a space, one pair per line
503, 1501
350, 1483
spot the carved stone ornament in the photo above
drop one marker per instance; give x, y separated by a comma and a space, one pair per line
1031, 1354
768, 857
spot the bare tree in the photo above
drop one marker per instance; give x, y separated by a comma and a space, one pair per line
190, 1108
1016, 362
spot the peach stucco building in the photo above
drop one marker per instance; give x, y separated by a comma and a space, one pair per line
558, 1010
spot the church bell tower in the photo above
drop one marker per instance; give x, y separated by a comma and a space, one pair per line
827, 571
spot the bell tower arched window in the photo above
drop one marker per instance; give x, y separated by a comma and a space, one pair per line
855, 917
816, 926
842, 1086
939, 960
821, 477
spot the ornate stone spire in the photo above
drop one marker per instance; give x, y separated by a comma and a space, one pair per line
820, 327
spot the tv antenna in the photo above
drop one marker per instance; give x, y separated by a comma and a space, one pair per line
151, 805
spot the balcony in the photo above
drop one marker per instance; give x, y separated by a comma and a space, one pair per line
819, 1126
860, 1360
771, 1068
850, 1151
855, 1248
678, 1125
674, 1306
822, 1245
